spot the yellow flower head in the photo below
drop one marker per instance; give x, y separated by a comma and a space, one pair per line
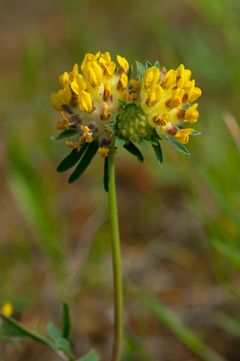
7, 309
101, 100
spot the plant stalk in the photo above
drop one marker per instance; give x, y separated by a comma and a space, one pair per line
116, 261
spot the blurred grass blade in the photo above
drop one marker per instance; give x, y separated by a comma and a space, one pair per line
66, 321
231, 252
72, 159
229, 324
133, 149
172, 322
84, 162
135, 348
32, 198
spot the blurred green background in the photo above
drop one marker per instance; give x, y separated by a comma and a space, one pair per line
180, 223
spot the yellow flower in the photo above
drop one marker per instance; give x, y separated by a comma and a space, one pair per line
7, 309
99, 101
63, 96
169, 79
88, 58
103, 151
78, 84
123, 63
123, 81
85, 101
191, 114
93, 72
182, 135
154, 95
151, 77
107, 64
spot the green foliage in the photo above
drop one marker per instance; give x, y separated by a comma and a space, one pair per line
67, 133
66, 321
32, 197
133, 149
105, 174
84, 162
158, 152
72, 158
176, 145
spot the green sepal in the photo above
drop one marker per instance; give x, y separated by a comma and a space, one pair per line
141, 69
178, 146
148, 64
122, 104
90, 356
84, 162
133, 149
106, 175
66, 321
196, 132
130, 71
157, 64
73, 157
67, 133
111, 127
158, 151
120, 141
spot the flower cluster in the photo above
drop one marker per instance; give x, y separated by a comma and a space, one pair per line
90, 97
104, 102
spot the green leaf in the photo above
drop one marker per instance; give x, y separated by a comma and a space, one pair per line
157, 64
72, 158
54, 332
63, 344
66, 321
140, 69
67, 133
178, 146
148, 64
106, 174
84, 162
15, 329
133, 149
90, 356
158, 152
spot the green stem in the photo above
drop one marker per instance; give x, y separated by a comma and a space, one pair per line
116, 259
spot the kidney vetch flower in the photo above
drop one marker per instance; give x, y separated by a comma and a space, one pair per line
105, 103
